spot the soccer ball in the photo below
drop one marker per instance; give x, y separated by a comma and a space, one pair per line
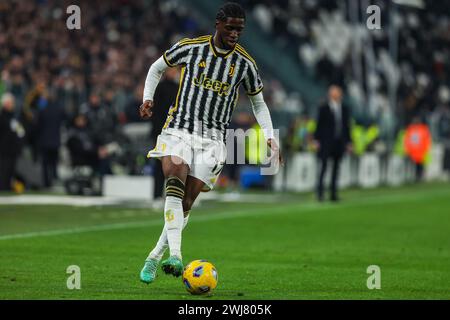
200, 277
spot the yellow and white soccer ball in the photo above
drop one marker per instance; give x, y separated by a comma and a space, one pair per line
200, 277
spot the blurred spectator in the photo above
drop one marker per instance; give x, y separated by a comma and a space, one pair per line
131, 109
82, 149
443, 119
300, 135
418, 144
101, 119
102, 124
35, 100
50, 119
11, 140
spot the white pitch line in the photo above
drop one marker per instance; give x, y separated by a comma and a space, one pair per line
115, 226
80, 201
389, 198
58, 232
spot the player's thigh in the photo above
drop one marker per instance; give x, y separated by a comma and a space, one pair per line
193, 188
208, 163
174, 166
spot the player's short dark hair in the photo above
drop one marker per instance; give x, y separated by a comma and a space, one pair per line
230, 10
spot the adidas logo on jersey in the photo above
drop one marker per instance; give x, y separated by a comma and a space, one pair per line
222, 88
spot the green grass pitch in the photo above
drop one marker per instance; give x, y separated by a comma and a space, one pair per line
281, 247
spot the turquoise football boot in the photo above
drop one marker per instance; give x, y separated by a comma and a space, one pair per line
173, 265
148, 272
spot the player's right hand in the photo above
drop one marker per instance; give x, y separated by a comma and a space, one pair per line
275, 151
145, 110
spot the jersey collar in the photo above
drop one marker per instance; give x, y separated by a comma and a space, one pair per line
217, 53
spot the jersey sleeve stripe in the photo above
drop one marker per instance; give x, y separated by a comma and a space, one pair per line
195, 39
192, 41
184, 39
167, 61
179, 58
256, 92
245, 54
181, 47
177, 55
247, 57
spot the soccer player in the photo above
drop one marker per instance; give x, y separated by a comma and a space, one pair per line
191, 145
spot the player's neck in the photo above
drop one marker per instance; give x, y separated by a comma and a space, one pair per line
219, 45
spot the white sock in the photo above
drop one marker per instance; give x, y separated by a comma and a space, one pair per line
161, 246
158, 252
173, 215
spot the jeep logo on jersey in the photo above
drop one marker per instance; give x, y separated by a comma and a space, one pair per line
222, 88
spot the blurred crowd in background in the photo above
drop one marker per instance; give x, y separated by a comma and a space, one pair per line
77, 90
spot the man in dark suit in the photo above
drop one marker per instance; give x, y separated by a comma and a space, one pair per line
332, 138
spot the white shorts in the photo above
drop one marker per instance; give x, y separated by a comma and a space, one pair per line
205, 157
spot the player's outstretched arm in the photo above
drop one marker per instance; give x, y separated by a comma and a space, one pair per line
262, 115
151, 82
276, 152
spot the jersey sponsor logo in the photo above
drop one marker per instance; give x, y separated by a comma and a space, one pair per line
222, 88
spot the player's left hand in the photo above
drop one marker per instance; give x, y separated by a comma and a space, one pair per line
276, 153
145, 110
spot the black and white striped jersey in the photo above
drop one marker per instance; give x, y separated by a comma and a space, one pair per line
208, 89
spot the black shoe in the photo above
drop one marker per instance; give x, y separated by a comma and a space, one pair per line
335, 199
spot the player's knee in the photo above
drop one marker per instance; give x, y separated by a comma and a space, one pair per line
175, 187
173, 167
